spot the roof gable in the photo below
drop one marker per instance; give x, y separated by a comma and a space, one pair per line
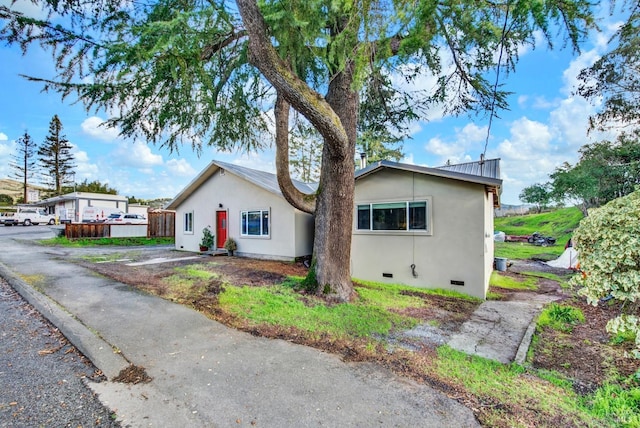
265, 180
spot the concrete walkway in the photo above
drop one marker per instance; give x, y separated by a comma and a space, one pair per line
205, 374
501, 331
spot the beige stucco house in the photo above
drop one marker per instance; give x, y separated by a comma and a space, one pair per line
426, 227
246, 205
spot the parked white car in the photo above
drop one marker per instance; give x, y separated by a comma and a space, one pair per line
126, 218
6, 215
27, 216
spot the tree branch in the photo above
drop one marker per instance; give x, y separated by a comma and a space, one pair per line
295, 197
213, 48
308, 102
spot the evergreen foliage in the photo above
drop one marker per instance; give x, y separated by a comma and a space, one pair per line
606, 171
613, 78
56, 158
23, 163
305, 152
95, 187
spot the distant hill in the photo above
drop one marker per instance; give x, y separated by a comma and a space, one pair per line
559, 223
13, 188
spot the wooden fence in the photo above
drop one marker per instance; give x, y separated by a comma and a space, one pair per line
161, 225
87, 230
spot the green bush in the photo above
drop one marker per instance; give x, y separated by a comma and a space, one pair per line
608, 241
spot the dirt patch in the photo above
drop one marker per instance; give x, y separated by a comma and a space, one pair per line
586, 354
132, 375
234, 270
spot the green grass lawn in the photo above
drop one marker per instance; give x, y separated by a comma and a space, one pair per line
559, 224
89, 242
519, 396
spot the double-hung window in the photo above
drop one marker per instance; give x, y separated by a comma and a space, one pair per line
255, 223
392, 216
188, 222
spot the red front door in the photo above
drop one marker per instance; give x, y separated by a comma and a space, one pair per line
221, 228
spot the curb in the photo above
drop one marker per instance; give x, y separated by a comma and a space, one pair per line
98, 351
521, 355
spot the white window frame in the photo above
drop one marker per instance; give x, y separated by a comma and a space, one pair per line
244, 229
187, 223
427, 200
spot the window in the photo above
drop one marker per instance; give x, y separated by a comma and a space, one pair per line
255, 223
188, 222
392, 216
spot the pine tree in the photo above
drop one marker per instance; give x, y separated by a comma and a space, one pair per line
305, 152
56, 157
24, 163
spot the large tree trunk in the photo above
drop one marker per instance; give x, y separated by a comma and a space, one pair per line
335, 117
334, 206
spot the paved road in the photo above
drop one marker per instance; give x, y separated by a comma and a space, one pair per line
41, 374
205, 374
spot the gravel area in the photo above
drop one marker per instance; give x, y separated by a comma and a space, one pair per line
41, 374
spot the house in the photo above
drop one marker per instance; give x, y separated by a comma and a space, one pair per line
426, 227
71, 206
246, 205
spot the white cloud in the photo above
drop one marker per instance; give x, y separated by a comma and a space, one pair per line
6, 148
85, 170
81, 156
180, 167
527, 156
96, 128
522, 100
408, 159
3, 136
136, 155
456, 151
264, 161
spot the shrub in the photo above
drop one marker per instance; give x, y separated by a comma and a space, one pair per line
207, 238
560, 317
609, 244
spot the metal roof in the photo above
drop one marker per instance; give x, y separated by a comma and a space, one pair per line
483, 168
266, 180
449, 171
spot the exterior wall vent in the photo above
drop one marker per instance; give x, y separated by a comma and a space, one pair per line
387, 275
454, 282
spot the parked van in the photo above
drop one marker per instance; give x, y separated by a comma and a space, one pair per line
6, 214
27, 216
98, 214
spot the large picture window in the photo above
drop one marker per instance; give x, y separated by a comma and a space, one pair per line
392, 216
188, 222
255, 223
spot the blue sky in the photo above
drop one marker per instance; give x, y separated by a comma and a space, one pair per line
545, 126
